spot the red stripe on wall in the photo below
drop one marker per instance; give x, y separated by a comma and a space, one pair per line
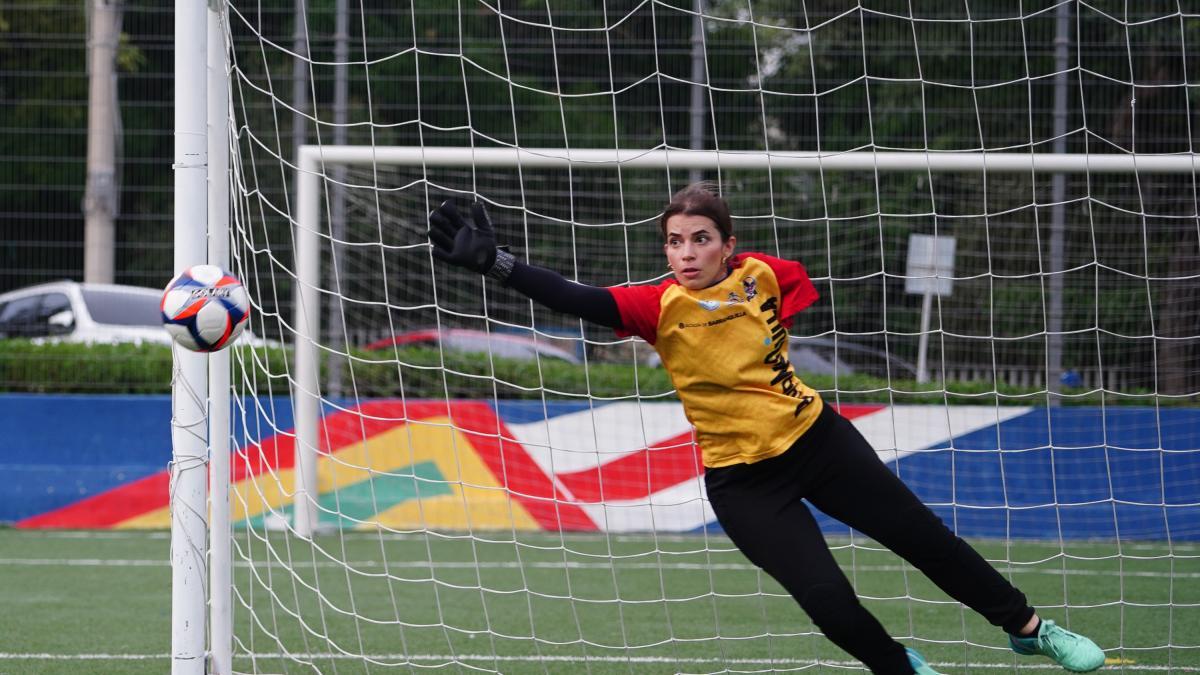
107, 508
634, 476
516, 470
507, 460
640, 474
662, 465
852, 411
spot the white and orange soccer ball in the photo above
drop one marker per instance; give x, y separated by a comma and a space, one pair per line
205, 308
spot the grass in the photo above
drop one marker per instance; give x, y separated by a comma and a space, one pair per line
541, 603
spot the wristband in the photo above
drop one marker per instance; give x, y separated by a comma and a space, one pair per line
503, 266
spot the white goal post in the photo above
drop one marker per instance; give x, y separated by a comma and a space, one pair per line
315, 162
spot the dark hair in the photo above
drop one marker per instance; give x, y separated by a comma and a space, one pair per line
699, 199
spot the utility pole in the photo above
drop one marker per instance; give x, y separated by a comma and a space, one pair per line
301, 94
699, 93
337, 193
100, 194
1056, 267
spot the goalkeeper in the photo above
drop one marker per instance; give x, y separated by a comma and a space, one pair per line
767, 439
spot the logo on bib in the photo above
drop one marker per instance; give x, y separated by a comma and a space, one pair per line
709, 305
750, 286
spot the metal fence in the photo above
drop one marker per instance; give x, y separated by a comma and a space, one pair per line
1132, 244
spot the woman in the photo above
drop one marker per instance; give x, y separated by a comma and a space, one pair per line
767, 439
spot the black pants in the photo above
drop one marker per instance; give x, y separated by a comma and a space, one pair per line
832, 465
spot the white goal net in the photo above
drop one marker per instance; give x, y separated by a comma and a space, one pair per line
995, 201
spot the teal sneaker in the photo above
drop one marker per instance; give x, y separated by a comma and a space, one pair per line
1070, 650
920, 666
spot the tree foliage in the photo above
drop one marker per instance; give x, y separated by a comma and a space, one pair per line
779, 75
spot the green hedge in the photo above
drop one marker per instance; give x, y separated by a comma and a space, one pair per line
417, 373
84, 369
421, 373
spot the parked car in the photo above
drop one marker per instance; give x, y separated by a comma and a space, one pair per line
503, 345
70, 311
825, 356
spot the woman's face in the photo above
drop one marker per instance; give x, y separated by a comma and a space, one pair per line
695, 250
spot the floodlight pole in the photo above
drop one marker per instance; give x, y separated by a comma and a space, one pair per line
189, 383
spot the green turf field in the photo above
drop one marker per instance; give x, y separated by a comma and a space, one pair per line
99, 602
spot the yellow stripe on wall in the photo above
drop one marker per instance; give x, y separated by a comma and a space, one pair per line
477, 501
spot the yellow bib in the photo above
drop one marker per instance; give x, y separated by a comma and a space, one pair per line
726, 348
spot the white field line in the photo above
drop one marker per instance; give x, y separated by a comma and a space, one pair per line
403, 659
553, 565
1177, 548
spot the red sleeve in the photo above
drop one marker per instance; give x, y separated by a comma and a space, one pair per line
794, 285
639, 307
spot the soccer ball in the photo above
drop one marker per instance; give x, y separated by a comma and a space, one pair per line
205, 308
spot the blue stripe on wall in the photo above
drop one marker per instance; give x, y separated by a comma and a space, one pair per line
58, 449
1128, 472
522, 412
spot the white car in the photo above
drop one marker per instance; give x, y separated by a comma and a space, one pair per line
69, 311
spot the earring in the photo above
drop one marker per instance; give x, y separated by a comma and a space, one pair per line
670, 268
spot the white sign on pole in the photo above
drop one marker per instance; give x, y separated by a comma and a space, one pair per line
930, 265
930, 273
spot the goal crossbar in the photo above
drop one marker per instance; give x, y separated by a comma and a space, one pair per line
311, 156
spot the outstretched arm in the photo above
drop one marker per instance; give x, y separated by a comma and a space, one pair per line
472, 245
552, 290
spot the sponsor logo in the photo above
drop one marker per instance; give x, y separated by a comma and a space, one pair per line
209, 292
713, 305
714, 322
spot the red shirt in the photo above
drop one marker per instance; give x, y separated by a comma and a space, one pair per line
726, 349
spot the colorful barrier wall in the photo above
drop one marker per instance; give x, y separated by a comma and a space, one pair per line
100, 462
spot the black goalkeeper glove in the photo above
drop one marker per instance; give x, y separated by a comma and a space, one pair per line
468, 244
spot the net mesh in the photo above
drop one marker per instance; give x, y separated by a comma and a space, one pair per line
503, 488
